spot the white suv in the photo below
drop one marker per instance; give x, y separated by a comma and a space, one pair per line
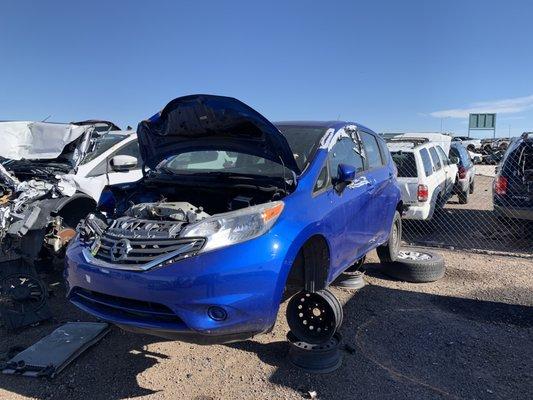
426, 176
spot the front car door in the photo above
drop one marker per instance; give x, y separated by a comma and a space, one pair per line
354, 200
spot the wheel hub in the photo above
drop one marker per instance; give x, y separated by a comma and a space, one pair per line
413, 255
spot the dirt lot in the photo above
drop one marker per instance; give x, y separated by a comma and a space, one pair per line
469, 335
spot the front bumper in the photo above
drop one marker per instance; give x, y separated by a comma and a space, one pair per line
173, 301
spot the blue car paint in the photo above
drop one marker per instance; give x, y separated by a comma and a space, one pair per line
248, 279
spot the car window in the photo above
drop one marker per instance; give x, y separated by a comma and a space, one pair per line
303, 141
345, 151
383, 150
131, 149
426, 162
373, 155
443, 156
322, 181
100, 145
466, 160
405, 164
435, 158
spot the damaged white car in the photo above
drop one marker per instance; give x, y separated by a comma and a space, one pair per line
51, 176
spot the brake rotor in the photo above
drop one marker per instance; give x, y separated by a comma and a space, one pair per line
314, 317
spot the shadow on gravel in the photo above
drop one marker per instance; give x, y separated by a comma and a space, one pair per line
406, 344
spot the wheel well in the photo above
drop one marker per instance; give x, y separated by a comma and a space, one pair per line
310, 268
73, 211
399, 207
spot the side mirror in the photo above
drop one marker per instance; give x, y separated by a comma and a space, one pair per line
454, 160
346, 175
123, 163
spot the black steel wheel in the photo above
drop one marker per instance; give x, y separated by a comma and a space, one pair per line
314, 317
315, 358
22, 293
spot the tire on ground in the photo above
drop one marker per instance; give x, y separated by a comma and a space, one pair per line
388, 252
417, 270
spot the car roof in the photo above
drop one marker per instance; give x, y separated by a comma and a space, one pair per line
322, 124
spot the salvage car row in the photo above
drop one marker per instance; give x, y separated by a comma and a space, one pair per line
199, 224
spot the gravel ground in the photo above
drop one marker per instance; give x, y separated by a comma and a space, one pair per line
469, 335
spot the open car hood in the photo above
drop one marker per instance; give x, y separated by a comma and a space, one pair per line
40, 140
207, 122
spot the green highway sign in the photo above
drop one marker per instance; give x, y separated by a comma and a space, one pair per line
482, 121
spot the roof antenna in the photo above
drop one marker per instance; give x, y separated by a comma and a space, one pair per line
44, 120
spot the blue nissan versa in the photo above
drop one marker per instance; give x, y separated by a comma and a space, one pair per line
233, 212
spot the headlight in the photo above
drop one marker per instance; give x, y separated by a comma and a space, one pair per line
236, 226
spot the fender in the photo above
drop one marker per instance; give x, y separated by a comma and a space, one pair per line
64, 201
288, 261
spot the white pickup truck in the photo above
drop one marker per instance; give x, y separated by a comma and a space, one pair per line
425, 173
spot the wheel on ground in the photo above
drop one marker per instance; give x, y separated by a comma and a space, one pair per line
463, 197
416, 265
314, 317
388, 252
471, 147
471, 188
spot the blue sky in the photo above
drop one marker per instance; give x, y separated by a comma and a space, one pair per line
391, 65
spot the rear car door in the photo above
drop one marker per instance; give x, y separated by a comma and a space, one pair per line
449, 168
439, 172
380, 177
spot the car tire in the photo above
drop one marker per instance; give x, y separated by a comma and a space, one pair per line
463, 197
471, 148
388, 252
471, 188
417, 266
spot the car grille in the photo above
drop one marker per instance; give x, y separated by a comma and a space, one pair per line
123, 307
135, 242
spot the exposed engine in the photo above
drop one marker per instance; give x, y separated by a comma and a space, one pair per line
21, 210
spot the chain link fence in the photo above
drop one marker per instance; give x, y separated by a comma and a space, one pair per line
456, 198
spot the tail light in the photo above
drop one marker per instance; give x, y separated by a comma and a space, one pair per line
462, 172
500, 185
422, 193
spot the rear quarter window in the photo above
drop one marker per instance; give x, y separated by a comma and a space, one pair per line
426, 162
435, 158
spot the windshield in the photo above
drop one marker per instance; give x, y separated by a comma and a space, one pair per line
101, 145
206, 161
303, 141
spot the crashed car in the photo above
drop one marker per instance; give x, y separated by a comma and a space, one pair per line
51, 176
233, 214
